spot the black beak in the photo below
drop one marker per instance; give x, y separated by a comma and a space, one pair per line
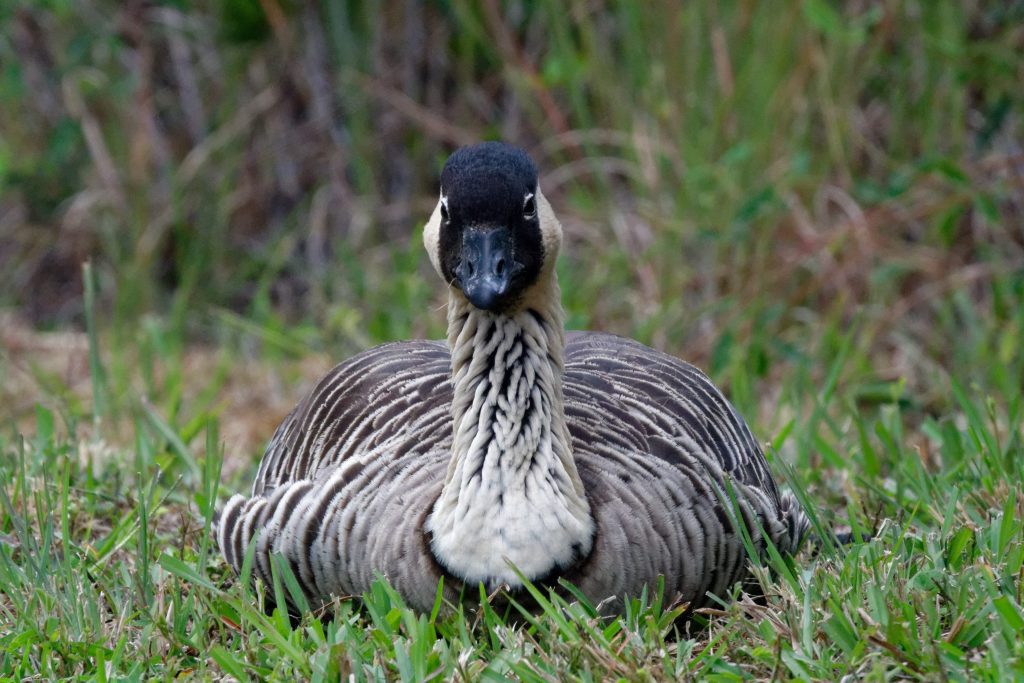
487, 267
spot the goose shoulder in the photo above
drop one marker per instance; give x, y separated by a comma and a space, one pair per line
655, 405
393, 394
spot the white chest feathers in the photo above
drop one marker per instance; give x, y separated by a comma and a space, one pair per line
512, 496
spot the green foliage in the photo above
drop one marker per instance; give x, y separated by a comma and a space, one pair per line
231, 154
108, 566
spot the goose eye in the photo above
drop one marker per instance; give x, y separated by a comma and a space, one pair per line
444, 212
529, 208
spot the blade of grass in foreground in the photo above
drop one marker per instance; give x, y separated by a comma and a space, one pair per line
96, 371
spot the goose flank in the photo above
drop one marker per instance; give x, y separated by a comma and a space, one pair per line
512, 443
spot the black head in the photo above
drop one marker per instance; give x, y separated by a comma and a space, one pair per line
490, 243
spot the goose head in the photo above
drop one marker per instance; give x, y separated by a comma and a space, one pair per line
492, 236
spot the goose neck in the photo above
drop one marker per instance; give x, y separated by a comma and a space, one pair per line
512, 491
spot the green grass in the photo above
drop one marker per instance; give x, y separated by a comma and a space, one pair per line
107, 570
817, 202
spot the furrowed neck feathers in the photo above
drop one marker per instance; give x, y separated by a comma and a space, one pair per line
512, 493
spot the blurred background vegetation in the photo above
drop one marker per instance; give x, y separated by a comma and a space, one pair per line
819, 202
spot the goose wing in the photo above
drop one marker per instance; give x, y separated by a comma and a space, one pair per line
657, 405
390, 393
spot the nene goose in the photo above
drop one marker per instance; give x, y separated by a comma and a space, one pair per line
509, 451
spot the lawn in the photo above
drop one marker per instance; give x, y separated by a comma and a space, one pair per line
203, 206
